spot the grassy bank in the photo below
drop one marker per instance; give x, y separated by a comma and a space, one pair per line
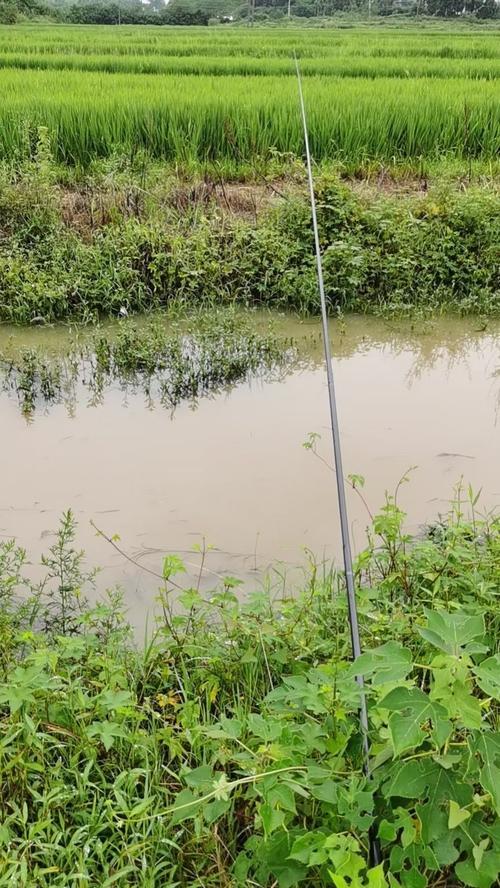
80, 247
226, 752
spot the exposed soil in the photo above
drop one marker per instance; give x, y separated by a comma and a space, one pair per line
88, 208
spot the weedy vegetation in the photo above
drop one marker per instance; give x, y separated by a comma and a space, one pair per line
84, 250
226, 751
186, 362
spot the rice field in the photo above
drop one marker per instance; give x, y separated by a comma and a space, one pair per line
229, 95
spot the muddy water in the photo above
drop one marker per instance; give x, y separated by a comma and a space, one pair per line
232, 471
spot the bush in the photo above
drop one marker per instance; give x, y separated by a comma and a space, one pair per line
229, 750
8, 13
384, 254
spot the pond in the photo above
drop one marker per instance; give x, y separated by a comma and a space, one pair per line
230, 473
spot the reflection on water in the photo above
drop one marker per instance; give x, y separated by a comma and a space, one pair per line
233, 471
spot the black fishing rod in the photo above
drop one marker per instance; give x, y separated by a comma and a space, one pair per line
339, 473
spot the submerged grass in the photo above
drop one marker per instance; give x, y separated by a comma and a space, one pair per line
172, 365
226, 751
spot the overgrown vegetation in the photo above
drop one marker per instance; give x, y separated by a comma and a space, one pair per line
185, 362
227, 750
137, 243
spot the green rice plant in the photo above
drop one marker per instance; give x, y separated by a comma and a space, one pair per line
338, 66
200, 118
241, 42
230, 95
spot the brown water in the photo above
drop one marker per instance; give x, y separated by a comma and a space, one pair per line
233, 472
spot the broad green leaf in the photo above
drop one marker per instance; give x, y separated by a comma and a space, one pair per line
16, 697
344, 853
281, 796
265, 728
434, 811
376, 877
457, 815
106, 731
487, 745
213, 810
414, 717
447, 759
410, 864
190, 599
478, 852
453, 632
355, 803
221, 788
486, 876
448, 847
275, 856
241, 868
172, 565
410, 780
403, 823
272, 818
488, 676
452, 687
469, 708
199, 778
310, 849
387, 663
325, 791
185, 807
110, 700
231, 726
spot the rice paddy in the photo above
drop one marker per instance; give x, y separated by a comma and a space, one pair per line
229, 96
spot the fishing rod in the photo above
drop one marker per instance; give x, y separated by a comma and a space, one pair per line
337, 451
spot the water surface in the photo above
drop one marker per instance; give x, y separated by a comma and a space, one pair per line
231, 472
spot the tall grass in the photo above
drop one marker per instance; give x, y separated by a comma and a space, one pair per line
328, 43
211, 118
230, 95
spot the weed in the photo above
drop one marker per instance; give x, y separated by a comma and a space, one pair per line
227, 750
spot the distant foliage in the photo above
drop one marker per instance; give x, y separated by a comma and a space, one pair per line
134, 14
439, 8
8, 13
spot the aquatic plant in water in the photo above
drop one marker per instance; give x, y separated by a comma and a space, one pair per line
184, 364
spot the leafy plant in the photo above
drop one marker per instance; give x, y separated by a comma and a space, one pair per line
229, 748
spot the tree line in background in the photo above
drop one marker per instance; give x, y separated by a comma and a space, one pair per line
100, 12
157, 12
326, 8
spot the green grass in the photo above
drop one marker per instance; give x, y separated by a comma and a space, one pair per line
230, 96
186, 118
